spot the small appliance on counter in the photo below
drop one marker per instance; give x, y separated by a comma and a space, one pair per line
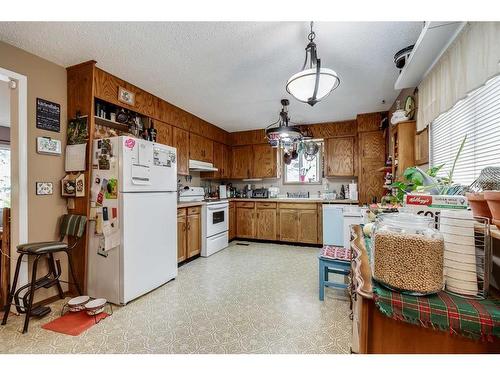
260, 193
274, 191
223, 192
192, 194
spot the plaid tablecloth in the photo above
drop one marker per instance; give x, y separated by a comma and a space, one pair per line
447, 312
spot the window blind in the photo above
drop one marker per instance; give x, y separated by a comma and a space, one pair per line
478, 117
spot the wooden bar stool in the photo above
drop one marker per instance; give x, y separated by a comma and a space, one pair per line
336, 260
71, 226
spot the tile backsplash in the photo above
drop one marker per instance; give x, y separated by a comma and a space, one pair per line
331, 184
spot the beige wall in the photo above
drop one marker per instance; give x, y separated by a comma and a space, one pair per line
48, 81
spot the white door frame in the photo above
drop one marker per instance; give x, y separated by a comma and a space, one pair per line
22, 149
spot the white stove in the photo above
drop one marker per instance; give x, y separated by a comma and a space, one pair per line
216, 222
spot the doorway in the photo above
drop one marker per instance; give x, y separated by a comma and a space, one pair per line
13, 174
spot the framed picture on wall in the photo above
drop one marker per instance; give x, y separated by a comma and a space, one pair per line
44, 188
48, 115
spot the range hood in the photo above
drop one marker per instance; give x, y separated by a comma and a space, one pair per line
201, 166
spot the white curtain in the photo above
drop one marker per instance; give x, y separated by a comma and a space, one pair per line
472, 59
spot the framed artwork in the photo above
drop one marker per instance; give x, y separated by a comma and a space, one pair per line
48, 146
48, 115
126, 96
44, 188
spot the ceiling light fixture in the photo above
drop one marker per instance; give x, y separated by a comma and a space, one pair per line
281, 133
312, 83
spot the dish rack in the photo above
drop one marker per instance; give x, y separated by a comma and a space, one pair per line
479, 243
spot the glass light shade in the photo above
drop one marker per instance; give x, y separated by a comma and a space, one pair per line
301, 85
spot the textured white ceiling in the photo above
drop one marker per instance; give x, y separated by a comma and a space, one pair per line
231, 74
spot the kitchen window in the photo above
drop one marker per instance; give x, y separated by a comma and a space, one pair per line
303, 171
478, 117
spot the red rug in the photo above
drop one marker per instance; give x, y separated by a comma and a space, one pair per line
74, 323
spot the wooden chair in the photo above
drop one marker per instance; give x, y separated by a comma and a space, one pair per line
336, 260
71, 226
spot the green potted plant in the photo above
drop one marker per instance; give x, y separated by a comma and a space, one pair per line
428, 182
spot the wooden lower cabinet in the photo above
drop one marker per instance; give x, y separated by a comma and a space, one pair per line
232, 221
307, 226
245, 219
266, 221
288, 225
188, 232
287, 222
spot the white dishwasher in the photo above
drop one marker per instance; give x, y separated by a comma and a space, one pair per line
337, 219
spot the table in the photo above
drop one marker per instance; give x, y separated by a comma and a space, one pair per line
374, 332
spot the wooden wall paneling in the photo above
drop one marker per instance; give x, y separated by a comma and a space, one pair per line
332, 129
248, 137
81, 87
369, 121
180, 140
164, 132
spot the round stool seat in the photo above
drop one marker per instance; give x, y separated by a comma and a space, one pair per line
37, 248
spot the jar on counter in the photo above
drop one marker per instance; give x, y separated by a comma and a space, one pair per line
407, 253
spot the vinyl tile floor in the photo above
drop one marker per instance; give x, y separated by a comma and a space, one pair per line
261, 298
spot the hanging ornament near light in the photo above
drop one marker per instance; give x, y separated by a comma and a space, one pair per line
313, 83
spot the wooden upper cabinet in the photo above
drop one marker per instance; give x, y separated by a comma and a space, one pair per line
369, 121
372, 146
242, 160
219, 161
422, 147
341, 156
265, 162
200, 148
180, 140
164, 133
227, 162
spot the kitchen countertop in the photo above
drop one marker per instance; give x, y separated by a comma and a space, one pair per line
190, 204
296, 200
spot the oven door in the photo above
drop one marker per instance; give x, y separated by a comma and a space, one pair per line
217, 219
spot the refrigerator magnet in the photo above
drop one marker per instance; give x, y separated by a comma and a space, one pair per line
112, 189
100, 198
114, 212
105, 216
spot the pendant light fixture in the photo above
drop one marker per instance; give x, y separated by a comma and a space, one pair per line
281, 133
312, 83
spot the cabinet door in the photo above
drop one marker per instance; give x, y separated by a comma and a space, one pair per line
264, 161
181, 237
242, 157
227, 164
200, 148
288, 225
308, 226
193, 235
232, 223
245, 222
180, 140
218, 162
340, 156
371, 182
266, 224
422, 147
372, 146
164, 133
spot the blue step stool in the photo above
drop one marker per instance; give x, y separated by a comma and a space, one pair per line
333, 259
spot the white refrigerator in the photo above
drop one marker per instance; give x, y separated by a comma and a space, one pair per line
133, 232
